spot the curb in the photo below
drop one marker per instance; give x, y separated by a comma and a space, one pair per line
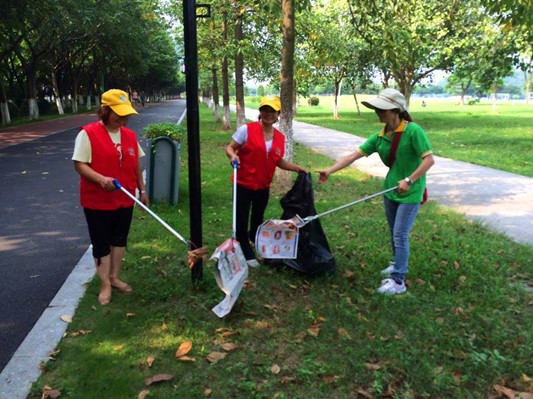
23, 368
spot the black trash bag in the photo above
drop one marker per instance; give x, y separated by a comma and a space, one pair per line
314, 256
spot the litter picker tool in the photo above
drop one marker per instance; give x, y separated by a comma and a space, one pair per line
195, 253
300, 222
231, 269
278, 238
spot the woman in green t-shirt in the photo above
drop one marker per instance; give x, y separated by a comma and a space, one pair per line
413, 158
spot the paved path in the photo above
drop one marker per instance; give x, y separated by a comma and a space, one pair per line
503, 201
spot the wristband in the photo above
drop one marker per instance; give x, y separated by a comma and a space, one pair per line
408, 181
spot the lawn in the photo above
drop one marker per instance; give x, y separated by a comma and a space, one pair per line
464, 326
471, 133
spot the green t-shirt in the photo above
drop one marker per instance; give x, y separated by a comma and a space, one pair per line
412, 147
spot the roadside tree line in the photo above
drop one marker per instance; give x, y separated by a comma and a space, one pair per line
66, 49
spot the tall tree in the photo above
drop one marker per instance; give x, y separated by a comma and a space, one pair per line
412, 38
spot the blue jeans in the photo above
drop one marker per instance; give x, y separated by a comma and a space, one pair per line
400, 218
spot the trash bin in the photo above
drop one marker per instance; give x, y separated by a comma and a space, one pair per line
163, 169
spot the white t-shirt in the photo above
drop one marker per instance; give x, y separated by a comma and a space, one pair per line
241, 135
82, 146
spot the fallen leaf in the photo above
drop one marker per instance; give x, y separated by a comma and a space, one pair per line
275, 369
372, 366
149, 361
158, 378
343, 333
143, 394
229, 346
420, 281
119, 347
228, 334
364, 393
184, 348
146, 257
330, 378
208, 391
186, 359
52, 353
51, 393
130, 314
80, 332
286, 379
314, 330
66, 318
455, 264
214, 357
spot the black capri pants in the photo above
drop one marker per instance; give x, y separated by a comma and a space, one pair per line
108, 228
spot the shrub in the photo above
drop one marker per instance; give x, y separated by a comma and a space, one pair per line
167, 129
313, 100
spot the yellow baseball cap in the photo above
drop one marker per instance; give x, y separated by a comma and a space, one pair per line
272, 101
118, 101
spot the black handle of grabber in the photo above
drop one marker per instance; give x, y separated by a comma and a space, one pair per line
118, 186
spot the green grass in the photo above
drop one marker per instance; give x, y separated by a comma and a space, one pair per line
470, 133
464, 324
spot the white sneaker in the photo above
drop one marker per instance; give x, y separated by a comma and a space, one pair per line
391, 287
252, 262
388, 270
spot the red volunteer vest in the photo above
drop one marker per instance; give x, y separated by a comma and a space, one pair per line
106, 160
258, 166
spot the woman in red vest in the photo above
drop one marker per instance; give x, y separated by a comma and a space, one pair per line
258, 148
107, 150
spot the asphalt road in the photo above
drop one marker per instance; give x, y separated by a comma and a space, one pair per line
42, 231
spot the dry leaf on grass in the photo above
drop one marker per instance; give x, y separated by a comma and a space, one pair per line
66, 318
229, 346
195, 255
143, 394
214, 357
149, 361
208, 391
158, 378
80, 332
372, 366
275, 369
130, 314
186, 359
184, 348
512, 394
314, 330
343, 333
364, 393
119, 347
51, 393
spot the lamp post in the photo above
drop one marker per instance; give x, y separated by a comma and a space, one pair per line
193, 131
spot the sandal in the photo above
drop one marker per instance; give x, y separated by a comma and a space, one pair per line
122, 287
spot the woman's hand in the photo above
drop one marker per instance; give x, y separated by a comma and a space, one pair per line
323, 175
403, 186
235, 158
107, 183
144, 199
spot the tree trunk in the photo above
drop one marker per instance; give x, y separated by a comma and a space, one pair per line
226, 122
32, 93
4, 108
215, 95
239, 81
57, 98
294, 98
75, 96
287, 86
337, 87
527, 83
352, 85
494, 96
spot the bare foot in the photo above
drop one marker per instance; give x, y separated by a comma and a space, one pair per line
121, 285
105, 296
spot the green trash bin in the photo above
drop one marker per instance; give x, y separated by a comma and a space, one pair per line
163, 170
